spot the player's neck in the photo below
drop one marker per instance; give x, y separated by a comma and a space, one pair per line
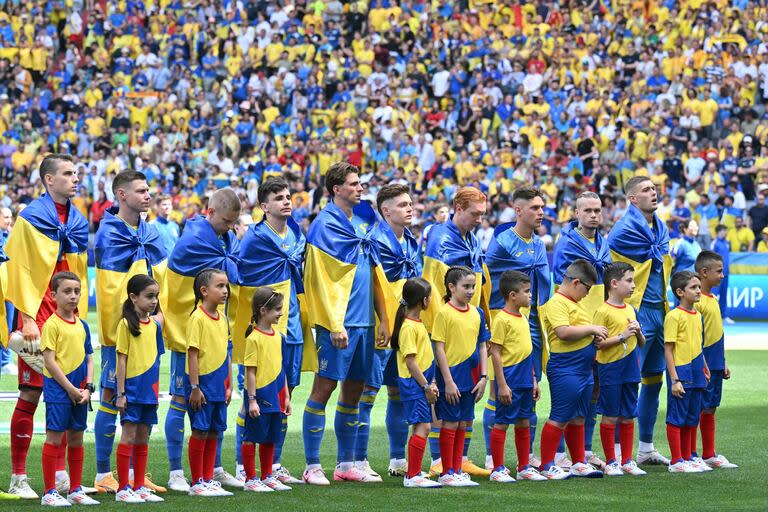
264, 327
58, 198
344, 206
458, 305
587, 232
398, 229
413, 313
614, 300
648, 216
523, 231
512, 309
212, 309
686, 304
277, 223
66, 315
131, 217
706, 288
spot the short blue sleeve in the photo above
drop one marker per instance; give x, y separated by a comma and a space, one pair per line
484, 334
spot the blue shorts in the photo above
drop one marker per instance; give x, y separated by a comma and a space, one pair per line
383, 369
108, 368
179, 384
352, 363
521, 407
652, 360
292, 355
140, 413
417, 410
571, 395
63, 417
212, 417
685, 411
463, 411
618, 400
714, 392
265, 428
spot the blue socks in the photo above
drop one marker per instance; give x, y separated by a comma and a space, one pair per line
561, 446
467, 440
434, 443
280, 440
239, 433
589, 425
397, 428
489, 418
648, 407
219, 442
345, 424
174, 433
104, 428
363, 423
534, 421
313, 427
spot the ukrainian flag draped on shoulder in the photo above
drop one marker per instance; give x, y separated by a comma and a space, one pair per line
3, 287
632, 240
198, 248
333, 247
573, 246
399, 260
446, 248
36, 243
263, 261
508, 251
122, 252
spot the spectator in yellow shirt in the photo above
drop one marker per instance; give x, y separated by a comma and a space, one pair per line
742, 238
763, 245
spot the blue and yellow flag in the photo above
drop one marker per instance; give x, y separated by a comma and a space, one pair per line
123, 251
37, 242
333, 249
399, 260
3, 311
269, 259
198, 248
573, 246
644, 246
446, 248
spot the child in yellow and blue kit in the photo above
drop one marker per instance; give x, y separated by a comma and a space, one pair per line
209, 370
266, 401
687, 372
65, 341
618, 368
459, 334
515, 378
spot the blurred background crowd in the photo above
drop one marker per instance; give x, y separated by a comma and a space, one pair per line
568, 95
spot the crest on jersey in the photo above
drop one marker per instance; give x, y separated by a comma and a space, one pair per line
323, 365
26, 376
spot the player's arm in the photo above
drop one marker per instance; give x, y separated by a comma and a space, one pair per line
228, 382
196, 397
503, 393
49, 359
452, 393
577, 332
29, 328
122, 362
430, 391
379, 305
479, 389
253, 406
89, 375
669, 356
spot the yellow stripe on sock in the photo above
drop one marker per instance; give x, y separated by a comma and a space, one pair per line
434, 435
240, 421
467, 434
490, 407
368, 399
653, 379
347, 410
108, 410
312, 410
395, 397
171, 406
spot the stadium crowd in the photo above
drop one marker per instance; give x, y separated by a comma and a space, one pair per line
570, 96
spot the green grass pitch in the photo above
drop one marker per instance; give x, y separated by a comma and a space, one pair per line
741, 436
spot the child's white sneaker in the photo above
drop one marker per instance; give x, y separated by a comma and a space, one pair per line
256, 485
720, 462
630, 468
127, 495
613, 469
53, 499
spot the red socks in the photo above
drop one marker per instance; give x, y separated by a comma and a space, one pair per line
574, 438
707, 426
522, 446
627, 440
140, 454
196, 453
22, 426
685, 441
447, 439
607, 436
550, 439
123, 459
266, 458
50, 454
674, 435
209, 458
416, 447
75, 458
498, 440
248, 452
458, 449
